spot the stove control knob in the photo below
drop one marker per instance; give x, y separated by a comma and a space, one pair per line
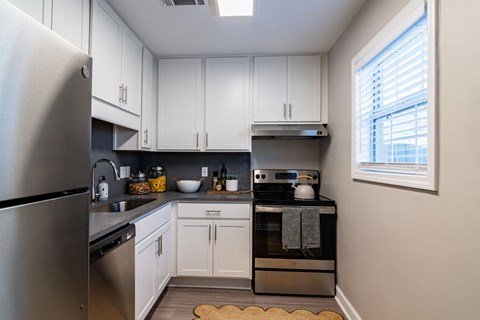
263, 176
257, 176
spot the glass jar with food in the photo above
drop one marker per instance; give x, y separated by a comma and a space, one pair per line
138, 184
157, 179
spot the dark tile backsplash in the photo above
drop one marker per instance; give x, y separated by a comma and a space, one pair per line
102, 148
189, 166
182, 165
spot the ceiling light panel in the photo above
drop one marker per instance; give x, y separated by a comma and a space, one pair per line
232, 8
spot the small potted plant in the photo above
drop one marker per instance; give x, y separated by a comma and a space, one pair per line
232, 182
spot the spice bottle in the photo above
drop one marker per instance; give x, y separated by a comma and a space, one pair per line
214, 179
223, 175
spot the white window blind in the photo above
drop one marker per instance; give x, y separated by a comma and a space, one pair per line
392, 109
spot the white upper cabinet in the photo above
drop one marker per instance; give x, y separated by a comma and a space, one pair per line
147, 101
143, 138
132, 71
180, 106
287, 89
270, 89
68, 18
117, 69
227, 104
33, 8
71, 20
106, 49
303, 88
186, 123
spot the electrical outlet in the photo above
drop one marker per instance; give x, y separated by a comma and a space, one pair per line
204, 171
124, 172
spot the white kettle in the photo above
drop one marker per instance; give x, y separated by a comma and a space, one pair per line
304, 190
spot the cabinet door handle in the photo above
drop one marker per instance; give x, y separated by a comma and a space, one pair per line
120, 93
285, 111
146, 136
197, 140
126, 95
157, 243
160, 249
206, 139
215, 233
209, 233
290, 110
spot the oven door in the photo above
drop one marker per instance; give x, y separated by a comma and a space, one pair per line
268, 235
293, 271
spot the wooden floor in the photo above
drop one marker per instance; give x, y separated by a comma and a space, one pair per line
178, 303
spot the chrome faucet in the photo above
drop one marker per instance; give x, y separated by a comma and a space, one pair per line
93, 193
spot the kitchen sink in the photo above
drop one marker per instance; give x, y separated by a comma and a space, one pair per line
122, 206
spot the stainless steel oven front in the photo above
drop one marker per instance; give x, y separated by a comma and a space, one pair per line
305, 271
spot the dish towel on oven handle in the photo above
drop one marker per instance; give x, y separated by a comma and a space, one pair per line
310, 228
291, 228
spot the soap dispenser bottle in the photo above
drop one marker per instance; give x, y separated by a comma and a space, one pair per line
103, 189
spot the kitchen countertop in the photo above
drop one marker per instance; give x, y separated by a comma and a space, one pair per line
102, 223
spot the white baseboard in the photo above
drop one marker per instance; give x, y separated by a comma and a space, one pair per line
209, 282
346, 306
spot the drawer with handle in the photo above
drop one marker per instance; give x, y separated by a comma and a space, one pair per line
214, 210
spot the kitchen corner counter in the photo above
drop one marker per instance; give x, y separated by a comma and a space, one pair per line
101, 223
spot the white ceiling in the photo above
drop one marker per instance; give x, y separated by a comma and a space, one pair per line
278, 27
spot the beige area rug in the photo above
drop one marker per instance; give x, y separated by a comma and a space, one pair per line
231, 312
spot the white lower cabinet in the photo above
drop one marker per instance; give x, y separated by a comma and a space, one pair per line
162, 261
194, 247
232, 248
152, 259
214, 240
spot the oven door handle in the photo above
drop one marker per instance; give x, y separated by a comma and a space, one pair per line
268, 209
278, 209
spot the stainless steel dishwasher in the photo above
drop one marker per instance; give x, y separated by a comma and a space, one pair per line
112, 276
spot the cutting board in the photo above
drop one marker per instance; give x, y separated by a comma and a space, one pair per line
225, 192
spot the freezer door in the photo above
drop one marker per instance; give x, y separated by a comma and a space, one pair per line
45, 109
44, 260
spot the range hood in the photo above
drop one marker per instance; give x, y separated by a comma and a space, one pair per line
288, 131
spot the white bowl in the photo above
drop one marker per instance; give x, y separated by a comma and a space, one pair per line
188, 185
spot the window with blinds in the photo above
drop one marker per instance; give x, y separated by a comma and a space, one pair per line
394, 103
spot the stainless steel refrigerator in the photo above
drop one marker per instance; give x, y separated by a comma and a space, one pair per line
45, 128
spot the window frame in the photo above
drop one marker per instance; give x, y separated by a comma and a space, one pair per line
404, 175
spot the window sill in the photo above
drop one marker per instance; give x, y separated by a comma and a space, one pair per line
423, 182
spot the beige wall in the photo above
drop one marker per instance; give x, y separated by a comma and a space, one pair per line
408, 254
